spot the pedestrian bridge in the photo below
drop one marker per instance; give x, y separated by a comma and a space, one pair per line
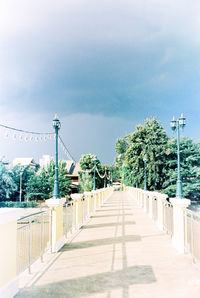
120, 252
123, 249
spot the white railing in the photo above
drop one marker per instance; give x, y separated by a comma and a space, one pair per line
172, 216
30, 237
33, 239
34, 232
168, 218
192, 234
81, 207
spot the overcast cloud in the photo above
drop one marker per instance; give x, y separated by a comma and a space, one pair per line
104, 61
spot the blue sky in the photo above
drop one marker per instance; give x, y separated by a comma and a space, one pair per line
103, 66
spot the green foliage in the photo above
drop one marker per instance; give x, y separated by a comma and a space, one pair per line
11, 204
87, 178
116, 174
40, 186
7, 184
149, 140
190, 168
26, 173
122, 145
86, 182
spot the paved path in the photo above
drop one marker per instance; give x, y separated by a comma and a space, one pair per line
120, 253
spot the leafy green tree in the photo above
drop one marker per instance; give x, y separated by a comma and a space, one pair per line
7, 184
41, 185
26, 173
190, 168
151, 141
86, 175
38, 187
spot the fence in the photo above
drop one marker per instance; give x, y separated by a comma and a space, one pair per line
68, 218
35, 232
173, 217
154, 208
192, 234
33, 239
168, 217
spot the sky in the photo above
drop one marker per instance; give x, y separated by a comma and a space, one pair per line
102, 66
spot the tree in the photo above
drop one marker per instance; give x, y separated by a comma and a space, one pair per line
190, 168
7, 184
41, 185
87, 174
26, 173
151, 141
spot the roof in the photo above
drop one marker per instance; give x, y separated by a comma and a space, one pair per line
69, 166
23, 161
77, 169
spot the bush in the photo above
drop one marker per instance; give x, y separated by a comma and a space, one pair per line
11, 204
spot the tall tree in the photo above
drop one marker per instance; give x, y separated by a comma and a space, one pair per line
7, 184
41, 185
190, 168
150, 141
86, 175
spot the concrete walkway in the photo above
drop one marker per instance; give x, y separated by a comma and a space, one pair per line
120, 253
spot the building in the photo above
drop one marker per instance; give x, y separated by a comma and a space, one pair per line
73, 174
45, 160
24, 161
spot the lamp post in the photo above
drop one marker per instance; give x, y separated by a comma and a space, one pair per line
111, 178
175, 126
20, 186
145, 173
105, 178
94, 178
56, 191
136, 177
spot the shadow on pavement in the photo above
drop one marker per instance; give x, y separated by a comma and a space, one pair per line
113, 224
92, 284
117, 209
111, 215
100, 242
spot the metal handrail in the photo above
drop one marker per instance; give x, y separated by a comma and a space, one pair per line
192, 234
33, 239
30, 215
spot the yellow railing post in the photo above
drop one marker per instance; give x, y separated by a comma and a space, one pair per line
8, 251
78, 210
178, 238
57, 234
161, 199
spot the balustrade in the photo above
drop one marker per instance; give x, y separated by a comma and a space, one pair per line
173, 217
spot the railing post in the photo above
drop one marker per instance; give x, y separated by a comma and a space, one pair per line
42, 237
8, 251
77, 199
57, 234
150, 213
94, 193
178, 238
145, 201
161, 199
29, 245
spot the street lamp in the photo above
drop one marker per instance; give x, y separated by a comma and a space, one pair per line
105, 178
145, 173
94, 178
20, 186
56, 191
111, 178
175, 126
